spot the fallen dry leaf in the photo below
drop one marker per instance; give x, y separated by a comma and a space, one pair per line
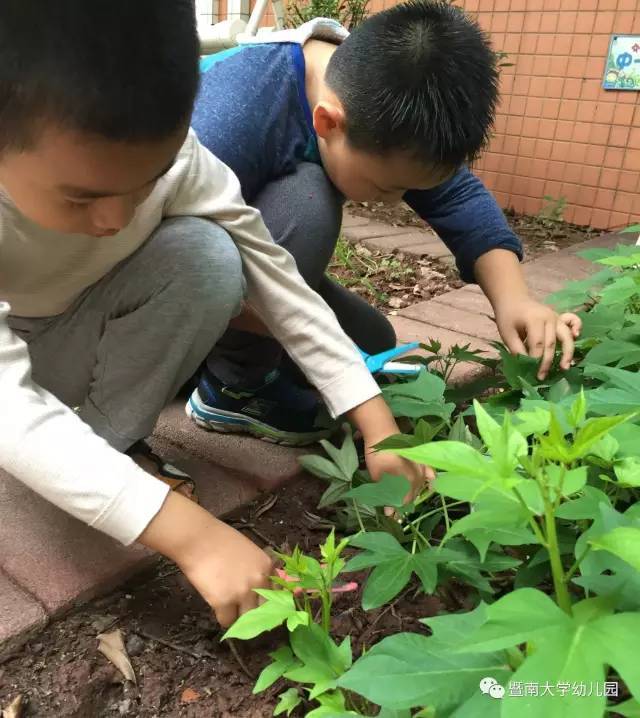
112, 647
14, 709
189, 696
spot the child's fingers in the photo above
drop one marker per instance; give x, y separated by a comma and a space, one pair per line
565, 337
513, 342
548, 350
573, 321
227, 614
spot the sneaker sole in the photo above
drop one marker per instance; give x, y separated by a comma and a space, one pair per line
229, 422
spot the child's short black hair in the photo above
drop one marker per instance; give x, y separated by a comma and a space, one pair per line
123, 69
420, 77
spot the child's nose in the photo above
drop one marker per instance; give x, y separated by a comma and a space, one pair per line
111, 214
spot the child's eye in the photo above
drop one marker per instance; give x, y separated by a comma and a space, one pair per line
77, 202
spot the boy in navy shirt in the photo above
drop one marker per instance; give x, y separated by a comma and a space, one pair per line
396, 110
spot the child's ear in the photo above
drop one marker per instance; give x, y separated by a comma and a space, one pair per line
328, 119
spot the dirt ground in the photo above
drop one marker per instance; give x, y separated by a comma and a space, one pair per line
181, 666
538, 234
393, 281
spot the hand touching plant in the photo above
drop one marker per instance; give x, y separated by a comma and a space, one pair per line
525, 325
376, 423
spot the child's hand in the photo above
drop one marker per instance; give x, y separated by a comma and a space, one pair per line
376, 423
380, 463
529, 327
221, 564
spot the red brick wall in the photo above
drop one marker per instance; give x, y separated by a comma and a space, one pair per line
558, 132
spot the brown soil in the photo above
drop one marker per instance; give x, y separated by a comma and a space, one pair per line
174, 643
539, 235
393, 281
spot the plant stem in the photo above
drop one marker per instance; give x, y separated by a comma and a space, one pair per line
577, 563
326, 612
422, 517
557, 571
358, 516
447, 523
532, 519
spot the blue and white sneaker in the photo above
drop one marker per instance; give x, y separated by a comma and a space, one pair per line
277, 410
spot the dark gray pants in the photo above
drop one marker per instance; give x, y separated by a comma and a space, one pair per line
124, 348
303, 212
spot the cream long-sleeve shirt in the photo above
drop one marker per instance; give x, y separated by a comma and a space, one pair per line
42, 442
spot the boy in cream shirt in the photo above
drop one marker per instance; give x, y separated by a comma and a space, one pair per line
125, 251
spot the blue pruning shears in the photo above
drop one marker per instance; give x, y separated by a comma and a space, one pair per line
382, 363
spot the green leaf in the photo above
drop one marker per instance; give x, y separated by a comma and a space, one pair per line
378, 542
283, 660
460, 432
450, 456
389, 491
504, 443
565, 656
621, 584
619, 291
299, 618
482, 538
601, 322
424, 396
578, 411
606, 449
278, 608
407, 670
385, 582
332, 705
335, 492
623, 542
628, 437
531, 422
425, 565
393, 567
345, 458
516, 367
619, 378
592, 431
573, 480
584, 507
629, 709
618, 635
631, 229
627, 471
622, 261
520, 616
287, 701
319, 466
485, 519
450, 629
322, 661
614, 352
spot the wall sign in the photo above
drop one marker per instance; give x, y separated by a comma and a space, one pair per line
623, 63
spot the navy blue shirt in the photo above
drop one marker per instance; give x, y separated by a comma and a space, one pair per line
252, 113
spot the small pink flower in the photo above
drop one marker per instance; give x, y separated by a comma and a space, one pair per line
344, 588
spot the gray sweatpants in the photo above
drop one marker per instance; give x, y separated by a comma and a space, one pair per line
303, 212
122, 351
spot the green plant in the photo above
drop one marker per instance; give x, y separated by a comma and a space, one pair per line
303, 604
526, 489
349, 13
534, 509
553, 209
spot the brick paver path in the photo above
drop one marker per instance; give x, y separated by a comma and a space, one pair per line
49, 562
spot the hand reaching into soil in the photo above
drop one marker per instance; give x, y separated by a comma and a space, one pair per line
222, 564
